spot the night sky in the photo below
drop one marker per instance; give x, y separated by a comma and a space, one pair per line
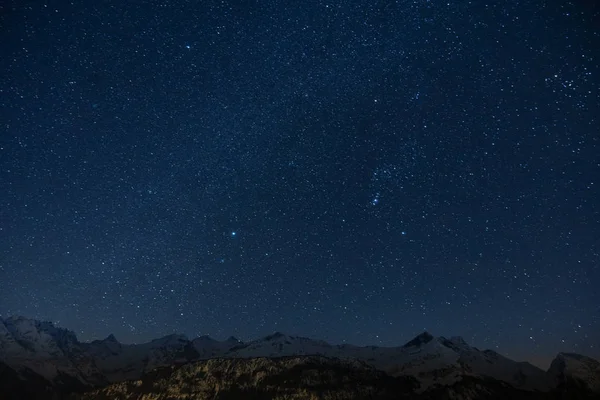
353, 171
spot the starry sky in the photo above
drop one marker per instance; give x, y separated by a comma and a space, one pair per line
354, 171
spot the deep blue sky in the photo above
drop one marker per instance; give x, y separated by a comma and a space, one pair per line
351, 170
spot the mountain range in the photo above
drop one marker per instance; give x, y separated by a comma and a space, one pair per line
40, 360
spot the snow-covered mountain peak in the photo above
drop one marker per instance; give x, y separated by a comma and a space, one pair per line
233, 339
295, 341
279, 344
576, 357
9, 346
456, 343
459, 340
576, 367
109, 345
51, 352
207, 347
111, 338
275, 336
207, 339
420, 340
204, 339
40, 337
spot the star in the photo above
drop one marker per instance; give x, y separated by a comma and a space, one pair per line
268, 163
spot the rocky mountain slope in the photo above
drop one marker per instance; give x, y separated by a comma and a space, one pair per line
39, 352
306, 377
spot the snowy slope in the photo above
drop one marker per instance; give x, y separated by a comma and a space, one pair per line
59, 357
41, 338
122, 362
9, 347
51, 352
433, 361
424, 357
569, 367
208, 347
279, 345
427, 359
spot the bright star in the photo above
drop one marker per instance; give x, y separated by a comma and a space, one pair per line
375, 200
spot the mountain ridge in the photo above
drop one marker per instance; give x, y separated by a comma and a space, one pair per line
56, 355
